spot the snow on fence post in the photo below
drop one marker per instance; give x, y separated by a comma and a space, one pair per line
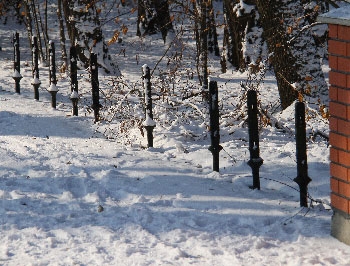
95, 86
148, 124
35, 67
255, 161
302, 178
214, 124
74, 80
16, 63
52, 74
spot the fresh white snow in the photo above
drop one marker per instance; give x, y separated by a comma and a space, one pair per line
71, 196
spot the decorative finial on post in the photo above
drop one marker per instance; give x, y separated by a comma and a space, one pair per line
35, 64
149, 123
255, 161
52, 74
16, 63
74, 80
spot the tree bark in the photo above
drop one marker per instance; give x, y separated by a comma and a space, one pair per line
154, 17
28, 23
37, 21
203, 4
281, 58
239, 21
213, 45
307, 43
84, 30
62, 36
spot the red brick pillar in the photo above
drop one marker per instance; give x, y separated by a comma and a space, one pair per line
339, 108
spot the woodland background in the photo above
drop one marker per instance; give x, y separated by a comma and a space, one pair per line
254, 35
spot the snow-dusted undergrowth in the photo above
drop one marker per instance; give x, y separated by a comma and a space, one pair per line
71, 196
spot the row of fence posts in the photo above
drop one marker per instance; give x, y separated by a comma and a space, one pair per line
148, 124
255, 161
74, 96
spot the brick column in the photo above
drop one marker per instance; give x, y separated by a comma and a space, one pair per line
339, 108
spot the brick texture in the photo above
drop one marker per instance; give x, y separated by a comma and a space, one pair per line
340, 202
338, 141
343, 33
338, 79
343, 127
333, 155
339, 122
344, 189
333, 123
339, 172
333, 62
333, 93
335, 185
337, 47
338, 110
343, 64
344, 158
343, 95
333, 31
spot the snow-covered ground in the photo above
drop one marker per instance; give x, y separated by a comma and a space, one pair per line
71, 196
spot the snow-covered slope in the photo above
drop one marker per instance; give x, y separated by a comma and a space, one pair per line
71, 196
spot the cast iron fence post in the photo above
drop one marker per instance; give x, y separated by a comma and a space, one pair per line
52, 74
149, 123
302, 178
95, 86
16, 63
214, 124
255, 161
74, 80
35, 65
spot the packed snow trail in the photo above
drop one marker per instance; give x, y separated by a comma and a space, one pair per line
70, 196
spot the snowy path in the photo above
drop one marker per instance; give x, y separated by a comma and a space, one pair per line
160, 206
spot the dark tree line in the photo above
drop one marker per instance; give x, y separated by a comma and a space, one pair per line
283, 33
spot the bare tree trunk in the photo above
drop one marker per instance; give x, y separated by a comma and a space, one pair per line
232, 39
70, 22
239, 22
28, 23
141, 17
84, 30
197, 38
204, 47
163, 18
44, 28
307, 43
154, 17
37, 30
62, 36
213, 45
282, 59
